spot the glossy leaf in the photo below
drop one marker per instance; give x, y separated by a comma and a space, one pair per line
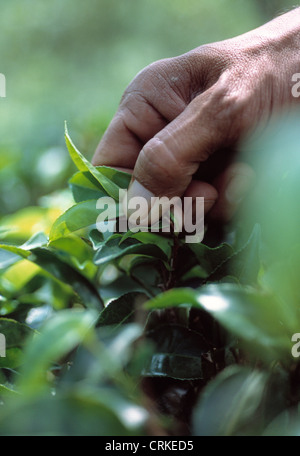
85, 187
60, 335
74, 220
121, 310
120, 178
19, 274
114, 249
255, 318
163, 242
84, 165
230, 404
178, 354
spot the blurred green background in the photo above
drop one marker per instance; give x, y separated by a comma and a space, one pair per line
71, 60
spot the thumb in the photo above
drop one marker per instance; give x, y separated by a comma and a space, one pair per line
167, 162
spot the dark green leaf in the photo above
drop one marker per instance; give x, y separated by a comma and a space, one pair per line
230, 403
163, 242
114, 249
16, 335
178, 354
243, 264
257, 319
121, 310
211, 258
50, 262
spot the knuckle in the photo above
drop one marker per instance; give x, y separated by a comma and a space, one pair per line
134, 103
230, 104
158, 156
149, 75
145, 85
162, 85
158, 163
207, 63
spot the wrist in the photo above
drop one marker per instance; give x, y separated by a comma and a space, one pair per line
280, 34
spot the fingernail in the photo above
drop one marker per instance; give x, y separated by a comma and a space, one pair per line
238, 187
137, 190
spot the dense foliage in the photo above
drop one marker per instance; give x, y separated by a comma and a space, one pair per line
142, 333
73, 60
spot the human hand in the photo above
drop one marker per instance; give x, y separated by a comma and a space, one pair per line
181, 112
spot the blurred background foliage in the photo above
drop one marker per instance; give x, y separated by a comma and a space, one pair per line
72, 61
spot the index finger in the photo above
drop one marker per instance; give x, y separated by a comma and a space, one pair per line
135, 122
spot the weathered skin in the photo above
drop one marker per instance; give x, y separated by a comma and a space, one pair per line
178, 112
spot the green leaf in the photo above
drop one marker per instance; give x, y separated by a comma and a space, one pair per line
105, 356
121, 310
286, 424
4, 231
10, 254
85, 187
178, 354
74, 248
85, 411
84, 165
16, 335
256, 318
18, 275
114, 249
59, 336
77, 253
173, 298
146, 237
7, 258
13, 359
53, 264
74, 220
37, 240
215, 264
210, 258
80, 218
97, 239
6, 391
230, 404
120, 178
61, 270
118, 343
175, 366
15, 250
243, 264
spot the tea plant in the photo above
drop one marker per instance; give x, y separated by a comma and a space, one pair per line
142, 333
